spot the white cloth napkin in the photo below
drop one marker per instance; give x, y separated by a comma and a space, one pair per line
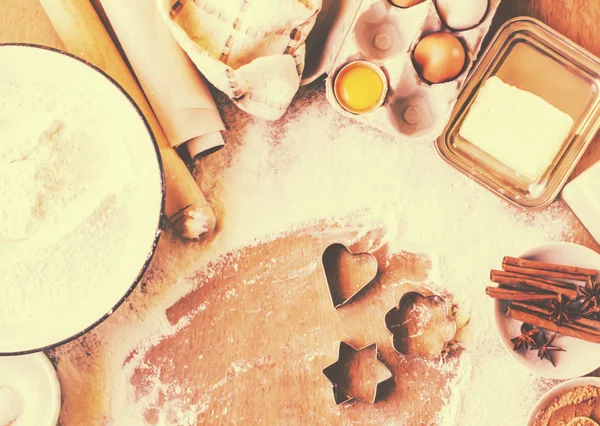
583, 197
252, 50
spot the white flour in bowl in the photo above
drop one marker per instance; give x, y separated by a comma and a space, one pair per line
72, 234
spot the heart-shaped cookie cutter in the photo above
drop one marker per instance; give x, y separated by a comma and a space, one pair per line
338, 376
437, 318
331, 271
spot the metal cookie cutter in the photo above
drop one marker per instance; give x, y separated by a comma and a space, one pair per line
344, 269
420, 325
343, 375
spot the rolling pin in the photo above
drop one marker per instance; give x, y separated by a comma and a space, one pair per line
83, 34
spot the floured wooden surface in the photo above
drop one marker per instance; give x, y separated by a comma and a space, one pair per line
265, 329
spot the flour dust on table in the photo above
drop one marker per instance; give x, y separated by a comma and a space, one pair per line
282, 180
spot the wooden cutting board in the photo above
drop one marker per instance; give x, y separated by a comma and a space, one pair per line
181, 360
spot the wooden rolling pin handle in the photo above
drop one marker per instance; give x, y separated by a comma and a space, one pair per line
83, 34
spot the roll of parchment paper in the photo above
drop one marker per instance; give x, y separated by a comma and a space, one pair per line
176, 91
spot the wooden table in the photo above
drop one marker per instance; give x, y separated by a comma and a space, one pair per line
85, 399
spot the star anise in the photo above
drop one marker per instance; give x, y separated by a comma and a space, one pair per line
527, 339
545, 348
590, 298
562, 311
592, 312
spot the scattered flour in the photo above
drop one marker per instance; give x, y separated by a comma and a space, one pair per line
321, 165
316, 164
421, 316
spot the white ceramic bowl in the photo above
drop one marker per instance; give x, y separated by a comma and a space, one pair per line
22, 65
581, 357
557, 390
32, 381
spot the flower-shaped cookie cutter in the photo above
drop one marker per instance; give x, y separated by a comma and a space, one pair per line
337, 274
420, 325
340, 377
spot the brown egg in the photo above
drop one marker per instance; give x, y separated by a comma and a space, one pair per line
439, 57
405, 3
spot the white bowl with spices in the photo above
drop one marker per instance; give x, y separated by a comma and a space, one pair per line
579, 357
82, 191
568, 402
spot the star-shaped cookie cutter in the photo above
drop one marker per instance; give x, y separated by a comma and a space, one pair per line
337, 373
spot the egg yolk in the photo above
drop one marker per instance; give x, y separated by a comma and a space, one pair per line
358, 88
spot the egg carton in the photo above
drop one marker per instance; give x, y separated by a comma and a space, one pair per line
354, 27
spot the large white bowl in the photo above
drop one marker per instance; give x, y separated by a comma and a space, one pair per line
559, 389
581, 357
29, 64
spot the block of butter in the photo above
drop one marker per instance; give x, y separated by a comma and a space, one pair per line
516, 127
583, 196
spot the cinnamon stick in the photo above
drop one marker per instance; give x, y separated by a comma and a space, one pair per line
580, 327
531, 307
519, 295
590, 324
538, 321
499, 278
545, 273
544, 269
497, 273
